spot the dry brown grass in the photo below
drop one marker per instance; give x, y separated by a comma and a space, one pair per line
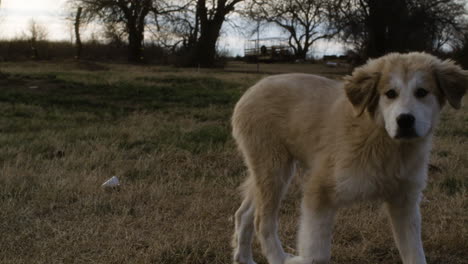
179, 170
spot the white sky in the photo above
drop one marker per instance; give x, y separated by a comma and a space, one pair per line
16, 14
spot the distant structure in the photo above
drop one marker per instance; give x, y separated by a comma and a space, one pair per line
268, 50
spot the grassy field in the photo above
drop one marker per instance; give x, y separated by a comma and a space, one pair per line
66, 128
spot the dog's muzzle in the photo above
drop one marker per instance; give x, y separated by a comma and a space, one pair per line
406, 126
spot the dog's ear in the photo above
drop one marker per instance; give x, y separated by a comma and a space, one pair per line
452, 81
361, 90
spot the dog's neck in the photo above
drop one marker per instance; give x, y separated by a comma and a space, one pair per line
368, 136
376, 154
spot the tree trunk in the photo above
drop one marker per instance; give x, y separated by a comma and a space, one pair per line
377, 28
387, 32
301, 51
79, 46
301, 54
193, 37
135, 43
35, 52
399, 27
204, 54
135, 48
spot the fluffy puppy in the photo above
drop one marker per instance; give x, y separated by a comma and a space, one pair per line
367, 137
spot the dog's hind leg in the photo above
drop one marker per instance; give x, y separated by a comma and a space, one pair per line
272, 178
244, 226
263, 192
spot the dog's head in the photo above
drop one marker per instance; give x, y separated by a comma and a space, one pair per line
405, 92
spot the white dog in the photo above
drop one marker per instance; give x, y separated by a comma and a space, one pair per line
368, 137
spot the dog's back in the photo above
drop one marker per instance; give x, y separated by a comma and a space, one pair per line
281, 103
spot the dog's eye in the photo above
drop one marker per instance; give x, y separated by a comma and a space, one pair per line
420, 93
391, 94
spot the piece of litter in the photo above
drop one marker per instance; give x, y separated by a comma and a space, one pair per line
111, 183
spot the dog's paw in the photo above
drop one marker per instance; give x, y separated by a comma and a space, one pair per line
291, 259
302, 260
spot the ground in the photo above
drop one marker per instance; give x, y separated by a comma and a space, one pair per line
65, 128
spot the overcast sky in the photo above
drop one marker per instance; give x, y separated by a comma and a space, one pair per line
16, 14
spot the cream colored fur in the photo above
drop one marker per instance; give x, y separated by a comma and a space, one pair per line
345, 134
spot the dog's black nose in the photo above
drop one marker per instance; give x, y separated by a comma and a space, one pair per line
405, 121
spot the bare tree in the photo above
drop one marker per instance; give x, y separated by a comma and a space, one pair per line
460, 48
306, 21
114, 34
376, 27
178, 30
79, 46
132, 14
35, 33
209, 18
441, 21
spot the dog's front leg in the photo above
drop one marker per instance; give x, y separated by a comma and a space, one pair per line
406, 226
315, 233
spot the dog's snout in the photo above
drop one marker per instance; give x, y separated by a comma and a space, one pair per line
405, 121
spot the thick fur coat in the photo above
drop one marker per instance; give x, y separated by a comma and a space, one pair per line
367, 137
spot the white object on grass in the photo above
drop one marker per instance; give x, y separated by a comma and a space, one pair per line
111, 183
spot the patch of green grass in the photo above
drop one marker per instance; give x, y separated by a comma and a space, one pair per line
137, 174
121, 97
204, 138
211, 134
212, 114
140, 146
191, 91
194, 139
452, 186
443, 153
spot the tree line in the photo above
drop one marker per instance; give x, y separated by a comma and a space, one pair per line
194, 26
191, 28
